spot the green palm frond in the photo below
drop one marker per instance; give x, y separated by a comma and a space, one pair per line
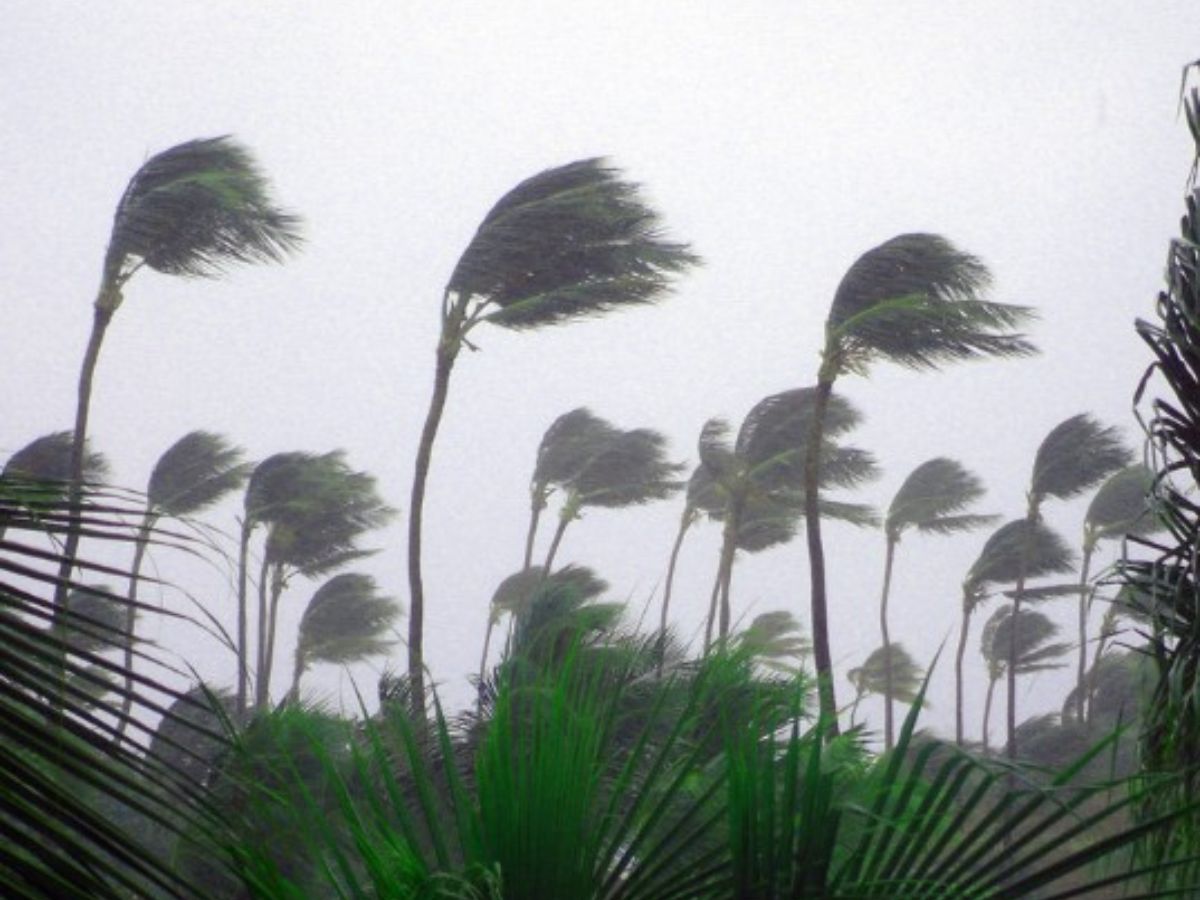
1121, 506
513, 594
48, 459
776, 640
932, 499
1035, 653
872, 676
568, 445
630, 469
999, 562
570, 242
194, 473
716, 451
916, 300
193, 209
346, 620
1077, 454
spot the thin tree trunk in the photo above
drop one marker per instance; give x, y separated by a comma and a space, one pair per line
725, 571
269, 662
1010, 721
1084, 597
712, 610
684, 524
106, 305
293, 693
563, 522
139, 554
260, 659
889, 678
822, 654
987, 711
958, 674
243, 640
534, 515
447, 351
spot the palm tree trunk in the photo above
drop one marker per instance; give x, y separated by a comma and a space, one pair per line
563, 522
243, 640
264, 677
958, 674
725, 571
293, 693
260, 659
822, 654
889, 678
139, 554
987, 711
684, 524
447, 351
1084, 596
1010, 721
106, 305
854, 706
534, 514
712, 610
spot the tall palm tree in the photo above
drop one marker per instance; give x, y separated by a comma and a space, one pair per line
1035, 652
629, 469
700, 496
931, 500
1118, 508
569, 243
914, 300
759, 478
510, 598
190, 211
1076, 455
194, 473
311, 534
345, 621
570, 442
45, 462
1019, 542
891, 673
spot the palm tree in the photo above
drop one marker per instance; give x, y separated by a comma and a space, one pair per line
700, 497
1035, 653
569, 243
629, 469
312, 533
193, 474
931, 500
776, 641
190, 211
46, 463
1017, 543
345, 621
511, 598
1076, 455
890, 672
1118, 508
913, 300
759, 478
567, 446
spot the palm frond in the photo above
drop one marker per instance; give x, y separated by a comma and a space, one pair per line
716, 452
570, 242
1035, 652
999, 562
568, 445
916, 300
872, 676
194, 473
1077, 454
1121, 506
193, 209
932, 499
346, 620
631, 469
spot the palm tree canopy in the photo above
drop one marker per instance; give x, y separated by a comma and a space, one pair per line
346, 621
916, 300
193, 209
568, 445
999, 562
1035, 652
932, 499
1077, 454
1120, 506
872, 677
563, 607
776, 640
48, 459
570, 242
630, 469
194, 473
95, 618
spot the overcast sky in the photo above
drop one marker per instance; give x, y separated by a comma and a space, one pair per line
780, 139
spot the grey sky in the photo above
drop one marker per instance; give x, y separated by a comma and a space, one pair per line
781, 139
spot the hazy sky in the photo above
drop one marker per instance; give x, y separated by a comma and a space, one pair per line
781, 139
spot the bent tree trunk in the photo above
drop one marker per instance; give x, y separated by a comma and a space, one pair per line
958, 674
822, 654
1084, 604
888, 675
243, 639
135, 569
684, 524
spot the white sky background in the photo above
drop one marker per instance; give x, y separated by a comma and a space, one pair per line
781, 139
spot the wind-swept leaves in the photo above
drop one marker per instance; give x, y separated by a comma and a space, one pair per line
194, 473
1035, 650
1077, 454
890, 672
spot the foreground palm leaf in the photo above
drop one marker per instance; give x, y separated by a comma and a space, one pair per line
192, 211
568, 243
932, 500
46, 463
915, 300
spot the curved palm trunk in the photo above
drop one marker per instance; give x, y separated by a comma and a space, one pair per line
958, 674
106, 305
1010, 722
987, 711
889, 678
293, 693
1084, 598
264, 677
139, 554
712, 611
243, 640
535, 514
260, 659
563, 522
448, 347
725, 570
684, 524
822, 654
